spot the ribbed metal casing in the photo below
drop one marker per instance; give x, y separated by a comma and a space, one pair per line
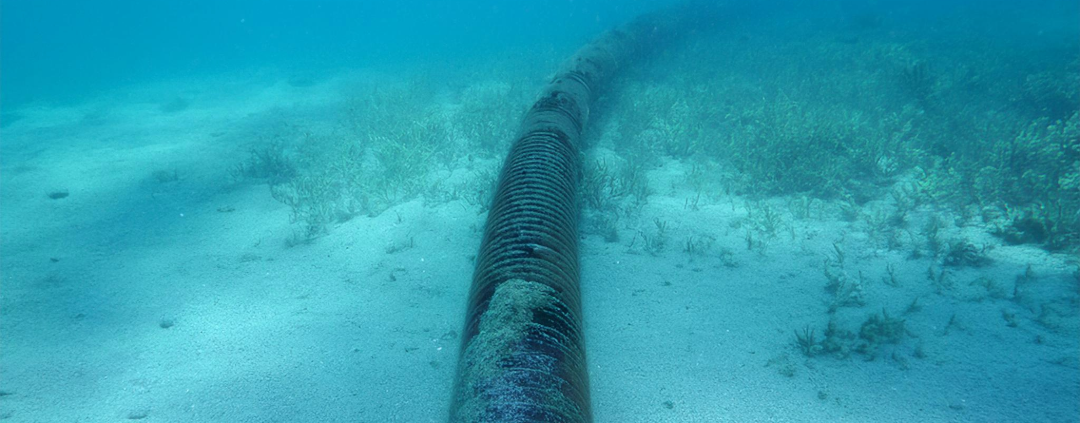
523, 353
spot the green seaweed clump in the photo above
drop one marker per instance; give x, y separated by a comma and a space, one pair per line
837, 341
962, 253
877, 330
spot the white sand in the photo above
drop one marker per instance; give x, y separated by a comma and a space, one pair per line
342, 330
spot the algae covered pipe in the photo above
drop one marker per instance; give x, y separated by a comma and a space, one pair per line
522, 356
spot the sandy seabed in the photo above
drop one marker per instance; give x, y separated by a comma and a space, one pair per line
143, 297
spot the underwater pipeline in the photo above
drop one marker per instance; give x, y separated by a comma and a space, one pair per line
522, 356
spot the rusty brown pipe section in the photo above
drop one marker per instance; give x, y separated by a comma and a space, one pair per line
522, 356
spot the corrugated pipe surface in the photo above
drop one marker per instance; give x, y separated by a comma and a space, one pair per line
523, 354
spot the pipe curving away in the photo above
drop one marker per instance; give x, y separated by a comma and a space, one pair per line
522, 357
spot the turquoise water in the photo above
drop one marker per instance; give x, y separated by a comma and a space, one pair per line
63, 51
269, 211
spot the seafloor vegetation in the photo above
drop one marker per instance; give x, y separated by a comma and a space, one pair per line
392, 142
987, 129
916, 136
